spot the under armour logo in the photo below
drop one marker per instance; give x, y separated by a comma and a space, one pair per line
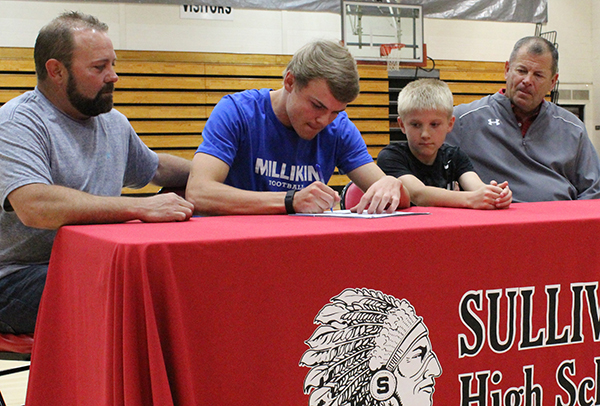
496, 121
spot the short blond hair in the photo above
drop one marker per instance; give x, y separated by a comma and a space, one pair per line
329, 60
425, 95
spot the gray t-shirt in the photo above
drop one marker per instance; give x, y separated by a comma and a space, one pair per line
41, 144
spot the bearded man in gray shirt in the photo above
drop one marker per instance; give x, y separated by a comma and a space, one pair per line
541, 149
65, 155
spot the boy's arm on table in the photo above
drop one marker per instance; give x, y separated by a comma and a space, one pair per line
478, 196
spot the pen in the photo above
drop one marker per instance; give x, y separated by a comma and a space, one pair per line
321, 178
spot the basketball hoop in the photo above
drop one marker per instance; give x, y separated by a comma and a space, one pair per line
391, 52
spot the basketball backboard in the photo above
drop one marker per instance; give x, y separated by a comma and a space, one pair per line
377, 30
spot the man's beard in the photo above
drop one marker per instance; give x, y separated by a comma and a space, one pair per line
102, 103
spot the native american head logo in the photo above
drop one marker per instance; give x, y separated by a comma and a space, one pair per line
370, 349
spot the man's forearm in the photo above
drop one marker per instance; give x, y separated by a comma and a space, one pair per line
51, 206
215, 198
172, 171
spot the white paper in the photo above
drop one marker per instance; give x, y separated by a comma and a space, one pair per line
363, 215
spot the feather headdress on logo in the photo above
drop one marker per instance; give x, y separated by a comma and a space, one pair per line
362, 334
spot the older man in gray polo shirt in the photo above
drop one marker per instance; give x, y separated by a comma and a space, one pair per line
542, 150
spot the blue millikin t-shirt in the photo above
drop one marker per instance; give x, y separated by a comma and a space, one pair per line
264, 155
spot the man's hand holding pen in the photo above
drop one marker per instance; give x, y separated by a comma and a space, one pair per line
315, 198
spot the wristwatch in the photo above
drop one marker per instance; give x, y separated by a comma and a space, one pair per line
289, 201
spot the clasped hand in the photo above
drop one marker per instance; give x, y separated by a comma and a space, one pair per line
492, 196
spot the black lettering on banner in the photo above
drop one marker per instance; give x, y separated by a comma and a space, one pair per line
532, 390
474, 317
383, 385
526, 317
530, 394
565, 383
496, 344
473, 323
512, 397
582, 394
481, 388
592, 299
577, 335
552, 294
597, 361
583, 387
479, 398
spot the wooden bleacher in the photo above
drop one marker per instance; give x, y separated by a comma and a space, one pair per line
470, 81
168, 96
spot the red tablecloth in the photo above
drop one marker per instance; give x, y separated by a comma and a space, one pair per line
215, 311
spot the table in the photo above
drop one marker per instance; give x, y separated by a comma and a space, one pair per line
216, 311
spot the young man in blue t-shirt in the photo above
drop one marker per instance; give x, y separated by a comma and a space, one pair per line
272, 151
